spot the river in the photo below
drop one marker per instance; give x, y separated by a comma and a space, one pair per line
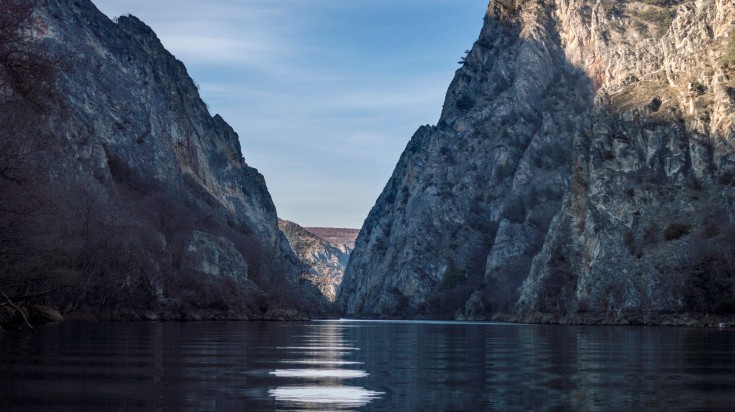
361, 365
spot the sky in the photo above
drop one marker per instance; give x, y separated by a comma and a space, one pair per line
324, 94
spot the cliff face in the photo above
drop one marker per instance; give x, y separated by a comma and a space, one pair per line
584, 151
138, 168
646, 228
321, 261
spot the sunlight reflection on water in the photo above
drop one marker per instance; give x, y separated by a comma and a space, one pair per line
319, 373
203, 366
348, 396
317, 348
327, 354
320, 362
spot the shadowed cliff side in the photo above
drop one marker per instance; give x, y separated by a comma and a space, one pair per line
146, 206
625, 117
646, 232
471, 199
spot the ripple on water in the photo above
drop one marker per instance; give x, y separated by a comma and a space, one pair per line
349, 396
320, 362
320, 376
319, 373
319, 348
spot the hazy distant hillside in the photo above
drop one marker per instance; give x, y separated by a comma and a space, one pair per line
321, 261
336, 236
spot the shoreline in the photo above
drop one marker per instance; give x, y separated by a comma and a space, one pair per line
35, 315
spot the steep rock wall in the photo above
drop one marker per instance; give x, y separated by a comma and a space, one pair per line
646, 231
148, 193
615, 123
471, 198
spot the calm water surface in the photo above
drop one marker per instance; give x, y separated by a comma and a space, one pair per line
392, 366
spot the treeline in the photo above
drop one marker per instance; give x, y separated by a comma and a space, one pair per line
710, 280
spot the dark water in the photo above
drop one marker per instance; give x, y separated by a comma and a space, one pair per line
365, 365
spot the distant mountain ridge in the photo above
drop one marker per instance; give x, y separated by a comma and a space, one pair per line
337, 236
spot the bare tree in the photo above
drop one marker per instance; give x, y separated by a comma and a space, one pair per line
26, 74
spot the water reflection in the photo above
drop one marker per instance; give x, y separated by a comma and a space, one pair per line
319, 373
324, 349
266, 366
319, 348
342, 396
320, 362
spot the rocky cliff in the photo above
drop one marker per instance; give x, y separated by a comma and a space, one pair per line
321, 261
581, 171
148, 204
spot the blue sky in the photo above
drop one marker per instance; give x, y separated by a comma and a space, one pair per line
324, 94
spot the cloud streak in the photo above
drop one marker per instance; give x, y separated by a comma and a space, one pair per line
324, 94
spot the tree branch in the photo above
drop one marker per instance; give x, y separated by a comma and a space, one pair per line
25, 318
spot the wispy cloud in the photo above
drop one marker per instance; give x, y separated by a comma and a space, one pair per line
219, 49
323, 93
213, 32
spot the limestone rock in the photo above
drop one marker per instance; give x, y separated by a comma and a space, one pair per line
153, 198
498, 161
584, 154
321, 262
215, 256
